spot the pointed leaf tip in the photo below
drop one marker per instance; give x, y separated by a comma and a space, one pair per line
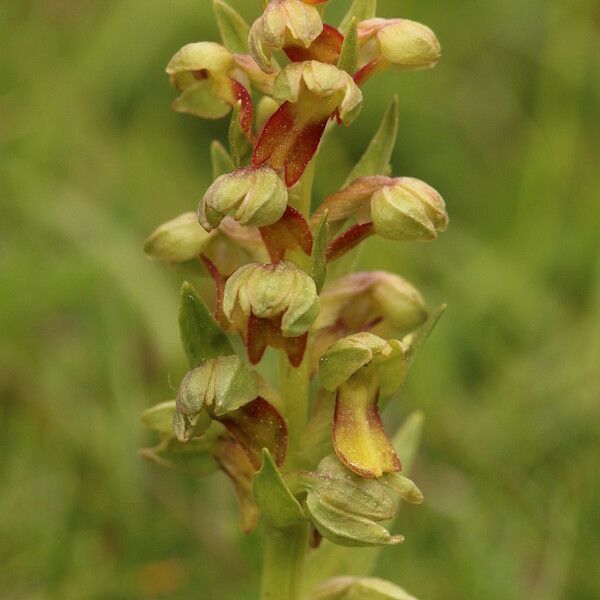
234, 29
378, 154
348, 59
319, 252
361, 10
222, 162
273, 496
201, 336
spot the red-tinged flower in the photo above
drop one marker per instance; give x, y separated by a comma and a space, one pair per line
395, 43
312, 93
228, 246
369, 301
283, 23
271, 305
359, 368
205, 74
360, 301
400, 208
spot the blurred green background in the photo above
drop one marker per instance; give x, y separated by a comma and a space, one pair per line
92, 159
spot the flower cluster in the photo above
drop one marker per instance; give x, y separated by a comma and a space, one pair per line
270, 253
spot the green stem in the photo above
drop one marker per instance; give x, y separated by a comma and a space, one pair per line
294, 395
285, 549
283, 562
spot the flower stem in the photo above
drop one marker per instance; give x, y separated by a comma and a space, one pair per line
283, 562
294, 395
285, 548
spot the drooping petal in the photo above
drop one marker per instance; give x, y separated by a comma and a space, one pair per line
360, 440
234, 461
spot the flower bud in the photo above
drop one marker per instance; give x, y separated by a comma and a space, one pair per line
271, 291
254, 197
346, 491
399, 43
400, 208
354, 302
359, 588
271, 305
346, 508
284, 22
312, 92
177, 240
220, 385
408, 210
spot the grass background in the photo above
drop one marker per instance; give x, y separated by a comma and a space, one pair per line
92, 158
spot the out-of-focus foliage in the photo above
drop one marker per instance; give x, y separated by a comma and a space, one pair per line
92, 159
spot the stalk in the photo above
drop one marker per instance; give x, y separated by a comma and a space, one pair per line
283, 562
285, 549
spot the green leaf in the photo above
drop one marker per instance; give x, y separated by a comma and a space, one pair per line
238, 140
348, 59
318, 260
234, 30
201, 336
416, 340
376, 158
222, 162
362, 10
273, 496
160, 417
